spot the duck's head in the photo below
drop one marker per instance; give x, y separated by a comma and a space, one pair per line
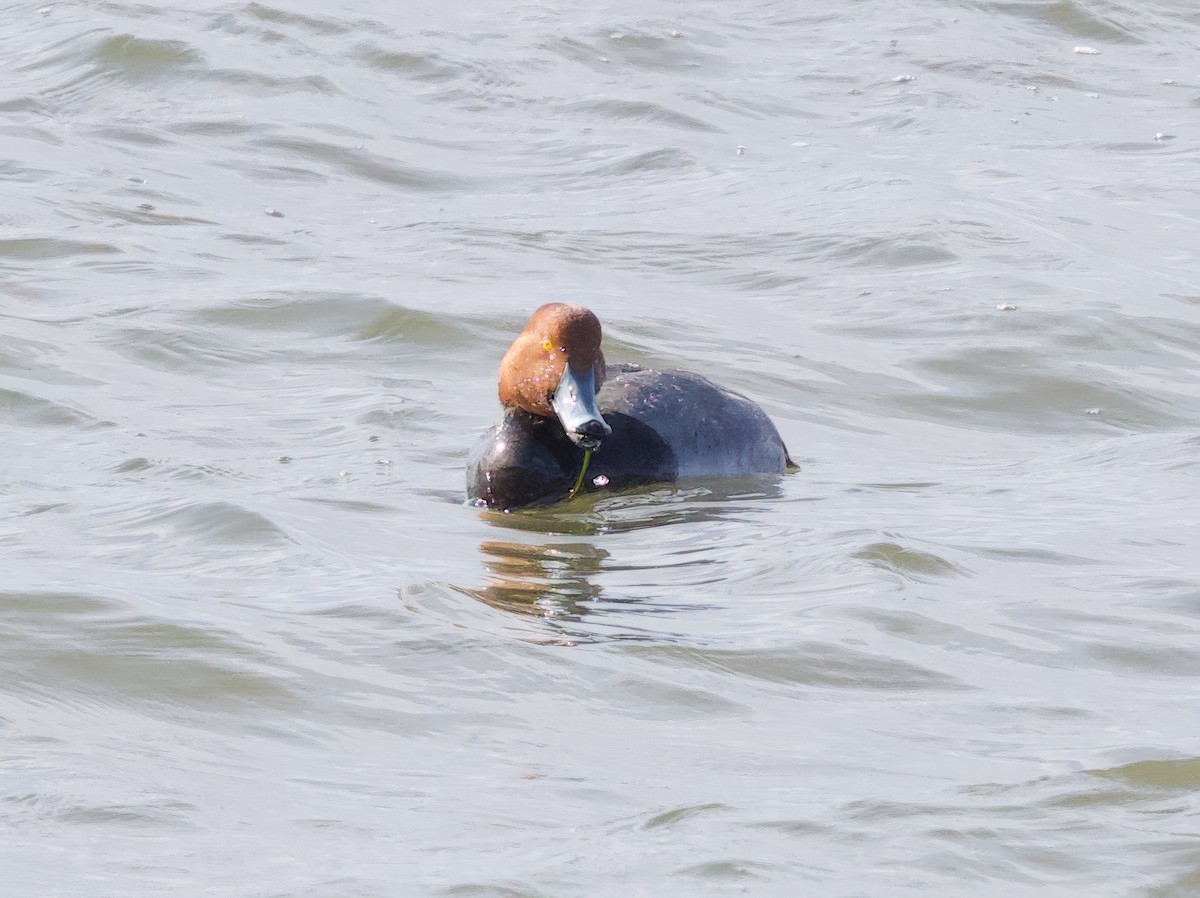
554, 368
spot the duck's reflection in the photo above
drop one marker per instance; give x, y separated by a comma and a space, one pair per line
552, 567
547, 580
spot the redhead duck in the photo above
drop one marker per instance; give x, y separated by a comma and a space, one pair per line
566, 412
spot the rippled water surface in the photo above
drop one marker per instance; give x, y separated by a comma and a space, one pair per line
258, 263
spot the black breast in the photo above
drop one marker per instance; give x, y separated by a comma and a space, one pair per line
527, 460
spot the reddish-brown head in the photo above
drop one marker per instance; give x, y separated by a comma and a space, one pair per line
557, 335
554, 368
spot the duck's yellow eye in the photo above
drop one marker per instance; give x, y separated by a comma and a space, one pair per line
547, 345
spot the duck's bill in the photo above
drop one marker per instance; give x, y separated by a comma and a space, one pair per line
574, 401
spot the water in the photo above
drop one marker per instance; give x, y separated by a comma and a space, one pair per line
257, 267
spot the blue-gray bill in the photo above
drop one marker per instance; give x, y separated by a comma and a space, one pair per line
574, 401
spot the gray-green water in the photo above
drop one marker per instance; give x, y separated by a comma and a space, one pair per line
258, 264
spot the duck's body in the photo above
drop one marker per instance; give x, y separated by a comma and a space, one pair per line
662, 425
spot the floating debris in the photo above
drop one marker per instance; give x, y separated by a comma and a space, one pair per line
1160, 136
1087, 51
600, 481
1169, 81
1006, 307
741, 150
1093, 411
274, 213
901, 79
1094, 96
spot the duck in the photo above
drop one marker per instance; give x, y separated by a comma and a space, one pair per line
567, 413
